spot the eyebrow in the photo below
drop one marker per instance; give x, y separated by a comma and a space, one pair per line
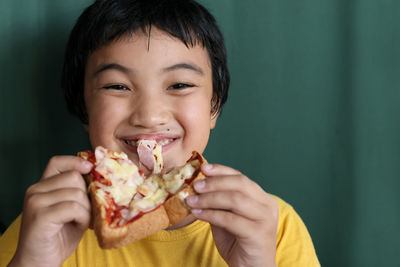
111, 66
115, 66
186, 66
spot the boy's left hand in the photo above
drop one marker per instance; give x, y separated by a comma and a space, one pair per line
242, 215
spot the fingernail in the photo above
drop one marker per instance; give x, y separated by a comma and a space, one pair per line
199, 185
192, 199
87, 164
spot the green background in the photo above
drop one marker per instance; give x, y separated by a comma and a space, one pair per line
312, 116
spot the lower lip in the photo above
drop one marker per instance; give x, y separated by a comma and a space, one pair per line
165, 148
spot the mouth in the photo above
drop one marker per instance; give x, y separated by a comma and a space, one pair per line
162, 142
165, 142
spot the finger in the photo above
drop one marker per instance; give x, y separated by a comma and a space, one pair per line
235, 202
66, 212
69, 179
60, 164
43, 200
217, 169
233, 223
230, 183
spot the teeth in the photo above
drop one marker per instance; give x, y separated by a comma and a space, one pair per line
131, 142
161, 143
165, 142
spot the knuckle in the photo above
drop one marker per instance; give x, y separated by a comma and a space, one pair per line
229, 218
31, 190
236, 199
33, 201
74, 207
80, 196
75, 174
53, 160
257, 187
239, 173
248, 185
76, 177
243, 179
36, 216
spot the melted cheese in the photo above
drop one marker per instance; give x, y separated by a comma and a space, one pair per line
150, 185
174, 179
157, 154
153, 192
149, 202
121, 172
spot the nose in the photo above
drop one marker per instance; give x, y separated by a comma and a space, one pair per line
149, 111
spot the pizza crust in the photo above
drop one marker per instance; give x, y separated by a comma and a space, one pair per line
176, 206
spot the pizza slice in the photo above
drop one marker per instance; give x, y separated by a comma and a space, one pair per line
127, 205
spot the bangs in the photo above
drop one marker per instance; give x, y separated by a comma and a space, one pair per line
175, 19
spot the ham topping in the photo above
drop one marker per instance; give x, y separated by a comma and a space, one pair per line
150, 155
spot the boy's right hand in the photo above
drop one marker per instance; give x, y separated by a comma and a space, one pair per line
56, 214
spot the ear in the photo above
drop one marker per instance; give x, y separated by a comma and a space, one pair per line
213, 121
214, 112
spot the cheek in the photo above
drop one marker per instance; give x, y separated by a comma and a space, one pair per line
196, 111
195, 119
103, 120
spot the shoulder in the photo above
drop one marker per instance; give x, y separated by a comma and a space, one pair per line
287, 213
294, 244
9, 242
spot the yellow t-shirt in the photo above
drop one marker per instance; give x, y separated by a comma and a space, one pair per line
192, 245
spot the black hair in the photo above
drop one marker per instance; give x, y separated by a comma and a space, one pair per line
107, 20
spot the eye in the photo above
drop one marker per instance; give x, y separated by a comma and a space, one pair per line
116, 87
177, 86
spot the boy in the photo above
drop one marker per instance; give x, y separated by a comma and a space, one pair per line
154, 70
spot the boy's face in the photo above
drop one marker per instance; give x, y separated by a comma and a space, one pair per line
157, 88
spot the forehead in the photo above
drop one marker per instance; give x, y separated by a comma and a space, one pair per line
155, 49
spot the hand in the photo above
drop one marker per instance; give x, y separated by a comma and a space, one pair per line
56, 214
242, 215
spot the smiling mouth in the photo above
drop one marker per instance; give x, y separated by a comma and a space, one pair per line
162, 142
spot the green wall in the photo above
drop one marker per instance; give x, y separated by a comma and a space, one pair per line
312, 116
